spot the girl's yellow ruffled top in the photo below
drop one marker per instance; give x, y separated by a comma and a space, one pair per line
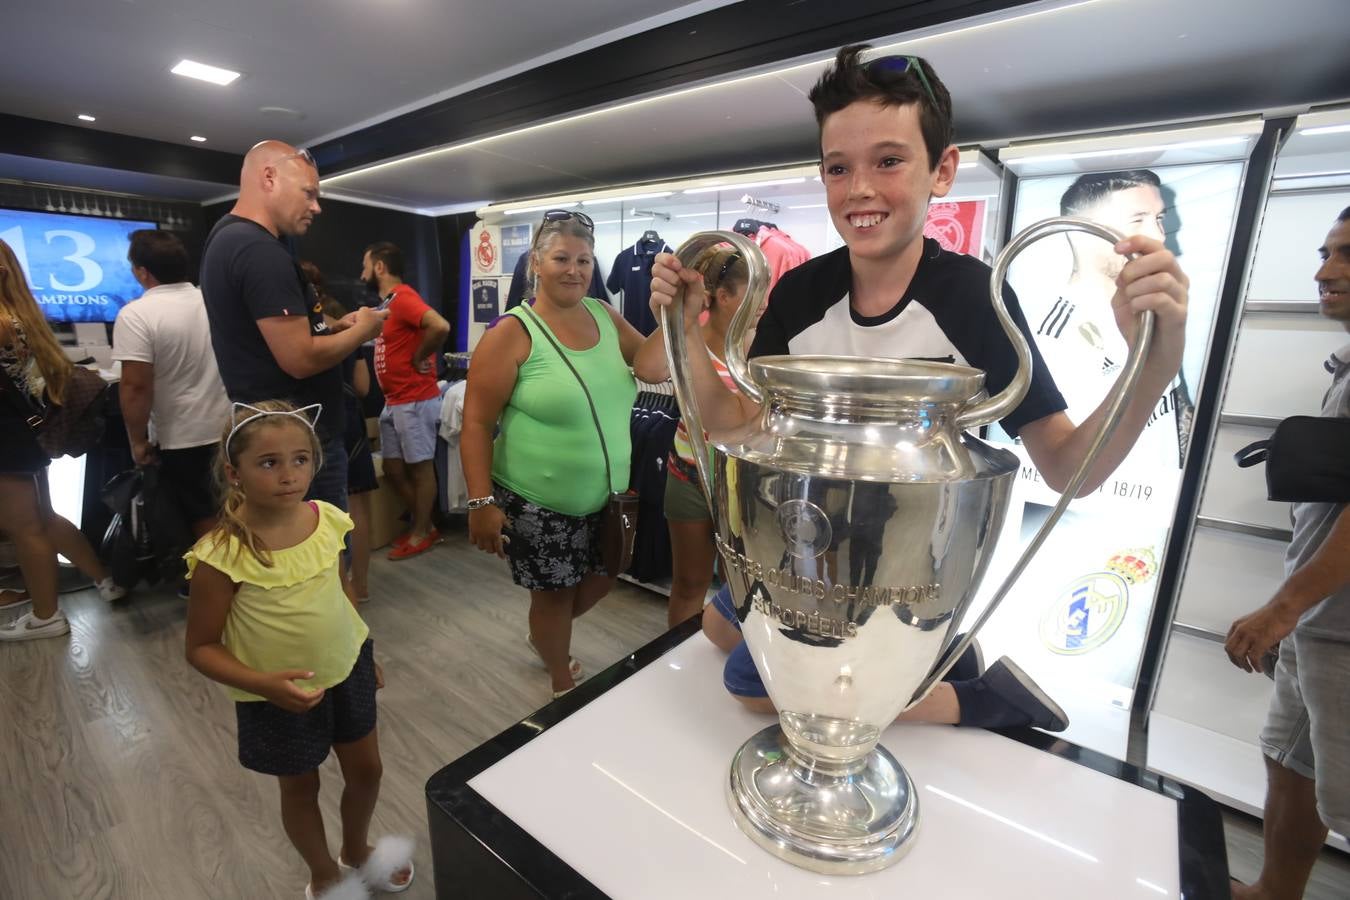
294, 613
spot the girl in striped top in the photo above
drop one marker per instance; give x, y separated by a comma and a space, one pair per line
691, 528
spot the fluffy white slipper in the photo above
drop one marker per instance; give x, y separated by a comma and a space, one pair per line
349, 888
391, 854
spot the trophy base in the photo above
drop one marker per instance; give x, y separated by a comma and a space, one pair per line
835, 824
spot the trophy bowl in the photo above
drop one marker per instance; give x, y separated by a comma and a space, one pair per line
855, 520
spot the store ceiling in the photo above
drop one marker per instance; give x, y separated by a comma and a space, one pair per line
1102, 64
336, 64
1084, 66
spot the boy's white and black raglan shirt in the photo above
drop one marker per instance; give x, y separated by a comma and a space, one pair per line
944, 316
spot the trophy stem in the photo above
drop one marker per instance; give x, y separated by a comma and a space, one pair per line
845, 818
817, 767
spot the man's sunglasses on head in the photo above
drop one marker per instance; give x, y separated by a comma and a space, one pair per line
304, 154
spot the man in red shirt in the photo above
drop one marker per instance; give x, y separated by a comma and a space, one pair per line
405, 366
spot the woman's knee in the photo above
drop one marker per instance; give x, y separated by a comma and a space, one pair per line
23, 518
552, 600
594, 587
686, 584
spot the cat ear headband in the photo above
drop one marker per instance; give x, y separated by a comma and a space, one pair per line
307, 414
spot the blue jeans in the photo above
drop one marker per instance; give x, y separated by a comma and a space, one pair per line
739, 675
330, 482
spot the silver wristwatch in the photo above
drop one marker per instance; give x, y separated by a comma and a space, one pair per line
480, 502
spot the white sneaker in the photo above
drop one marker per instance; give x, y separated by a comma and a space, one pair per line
109, 591
29, 627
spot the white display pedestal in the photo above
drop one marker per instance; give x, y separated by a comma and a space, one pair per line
624, 797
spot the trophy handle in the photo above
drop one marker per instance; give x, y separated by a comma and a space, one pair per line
1000, 405
677, 351
1006, 400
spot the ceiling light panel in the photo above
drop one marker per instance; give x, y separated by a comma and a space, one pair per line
202, 72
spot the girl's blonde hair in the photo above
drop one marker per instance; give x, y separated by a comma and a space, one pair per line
721, 266
234, 440
17, 302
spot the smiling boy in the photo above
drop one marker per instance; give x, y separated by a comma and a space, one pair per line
886, 150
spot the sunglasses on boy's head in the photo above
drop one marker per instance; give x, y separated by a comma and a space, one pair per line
562, 215
900, 65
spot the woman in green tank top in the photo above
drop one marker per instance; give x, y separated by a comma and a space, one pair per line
538, 490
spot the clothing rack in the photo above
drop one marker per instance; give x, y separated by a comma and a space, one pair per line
664, 387
756, 203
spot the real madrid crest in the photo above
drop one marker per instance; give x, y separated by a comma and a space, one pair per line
486, 252
1088, 612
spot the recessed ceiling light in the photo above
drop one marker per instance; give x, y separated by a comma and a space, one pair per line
203, 72
198, 138
85, 117
1326, 129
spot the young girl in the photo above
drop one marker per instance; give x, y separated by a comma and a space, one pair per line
725, 276
271, 619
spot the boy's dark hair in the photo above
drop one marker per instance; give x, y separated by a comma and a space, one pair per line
849, 80
1089, 190
390, 255
160, 253
1344, 216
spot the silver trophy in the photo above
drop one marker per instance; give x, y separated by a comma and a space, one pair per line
855, 520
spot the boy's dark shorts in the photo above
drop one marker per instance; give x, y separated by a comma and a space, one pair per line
276, 742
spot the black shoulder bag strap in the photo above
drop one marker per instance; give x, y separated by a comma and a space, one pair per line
31, 411
595, 417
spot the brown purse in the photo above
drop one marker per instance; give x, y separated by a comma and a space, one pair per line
618, 527
72, 428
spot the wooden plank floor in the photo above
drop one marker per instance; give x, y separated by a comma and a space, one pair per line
118, 760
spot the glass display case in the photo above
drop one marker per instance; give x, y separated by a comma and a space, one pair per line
1205, 715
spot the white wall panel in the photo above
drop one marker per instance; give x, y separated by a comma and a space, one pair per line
1239, 495
1286, 255
1277, 368
1200, 686
1227, 576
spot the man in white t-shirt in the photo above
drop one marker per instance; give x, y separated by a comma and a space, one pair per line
172, 398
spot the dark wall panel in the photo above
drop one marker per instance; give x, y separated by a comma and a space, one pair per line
449, 234
340, 235
720, 42
90, 147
